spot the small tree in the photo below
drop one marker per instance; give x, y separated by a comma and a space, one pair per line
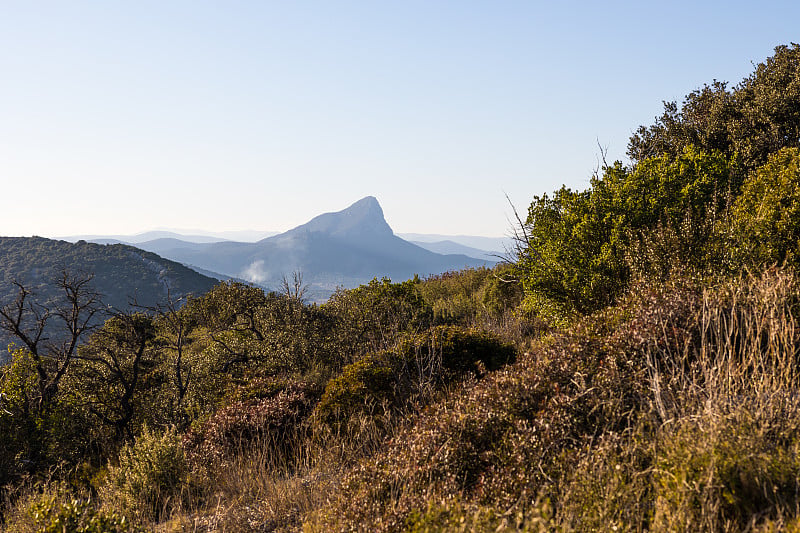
51, 333
115, 365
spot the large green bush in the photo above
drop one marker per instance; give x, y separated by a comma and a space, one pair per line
370, 317
766, 216
363, 386
577, 242
758, 117
418, 364
457, 349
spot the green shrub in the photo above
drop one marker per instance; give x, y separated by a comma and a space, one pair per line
766, 216
390, 378
57, 510
152, 474
577, 242
370, 317
758, 117
362, 386
459, 349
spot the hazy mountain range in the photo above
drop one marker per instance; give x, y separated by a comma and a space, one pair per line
197, 236
470, 245
340, 249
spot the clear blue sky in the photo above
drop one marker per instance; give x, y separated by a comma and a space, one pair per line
119, 117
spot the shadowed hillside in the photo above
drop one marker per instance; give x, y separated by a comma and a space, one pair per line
120, 273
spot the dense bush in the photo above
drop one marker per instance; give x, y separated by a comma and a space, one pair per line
58, 509
370, 318
758, 117
417, 365
152, 476
269, 421
766, 216
364, 386
458, 349
577, 242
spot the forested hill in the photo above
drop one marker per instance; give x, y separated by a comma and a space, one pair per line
120, 272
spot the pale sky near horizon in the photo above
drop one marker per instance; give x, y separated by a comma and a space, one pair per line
120, 117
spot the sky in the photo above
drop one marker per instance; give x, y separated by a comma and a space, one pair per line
122, 117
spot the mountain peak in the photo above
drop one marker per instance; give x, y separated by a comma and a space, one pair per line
362, 219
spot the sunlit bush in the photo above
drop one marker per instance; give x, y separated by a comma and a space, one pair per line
152, 475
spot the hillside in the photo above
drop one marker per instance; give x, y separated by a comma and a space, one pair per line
121, 273
635, 368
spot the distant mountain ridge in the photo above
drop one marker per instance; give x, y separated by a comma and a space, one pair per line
491, 245
451, 247
337, 249
194, 236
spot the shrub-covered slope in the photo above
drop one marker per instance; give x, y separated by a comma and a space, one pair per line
634, 369
119, 274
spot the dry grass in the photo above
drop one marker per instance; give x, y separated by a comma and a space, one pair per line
676, 410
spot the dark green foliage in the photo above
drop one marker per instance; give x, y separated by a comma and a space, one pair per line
367, 385
669, 210
118, 375
33, 439
577, 242
370, 317
758, 117
21, 438
390, 378
249, 328
460, 350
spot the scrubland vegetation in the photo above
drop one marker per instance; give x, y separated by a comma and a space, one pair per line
633, 368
